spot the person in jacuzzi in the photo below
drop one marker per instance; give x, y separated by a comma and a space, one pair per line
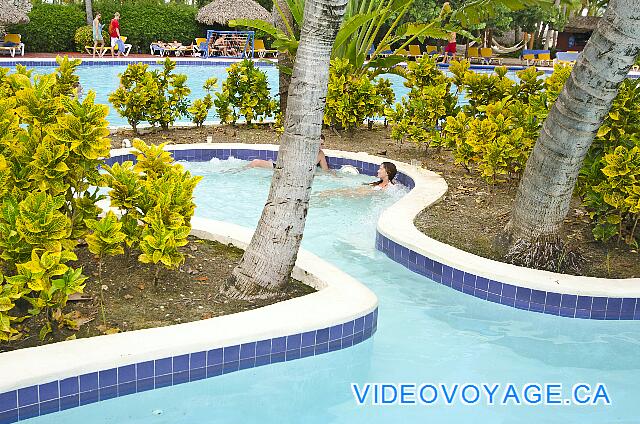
387, 172
321, 161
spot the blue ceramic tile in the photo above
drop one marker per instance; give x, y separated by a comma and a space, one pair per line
357, 338
553, 299
413, 257
109, 392
163, 366
181, 377
144, 370
198, 360
28, 396
550, 309
626, 315
263, 360
628, 305
335, 332
437, 268
126, 374
367, 332
322, 348
295, 341
595, 314
482, 283
49, 407
347, 341
614, 305
447, 280
522, 304
599, 304
584, 302
456, 285
108, 377
458, 276
293, 354
322, 335
567, 312
307, 351
347, 328
180, 363
495, 287
368, 320
337, 344
229, 367
9, 417
163, 380
523, 293
278, 357
492, 297
536, 307
358, 326
197, 374
8, 401
247, 363
126, 388
263, 347
278, 344
27, 412
508, 291
214, 370
480, 293
468, 289
214, 357
582, 313
469, 280
68, 402
88, 397
507, 301
247, 350
569, 301
49, 391
69, 386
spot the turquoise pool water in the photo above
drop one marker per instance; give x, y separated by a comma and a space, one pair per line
427, 333
104, 80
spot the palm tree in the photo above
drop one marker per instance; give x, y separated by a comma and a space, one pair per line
269, 259
88, 7
549, 178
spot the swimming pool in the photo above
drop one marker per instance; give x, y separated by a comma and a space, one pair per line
427, 333
103, 79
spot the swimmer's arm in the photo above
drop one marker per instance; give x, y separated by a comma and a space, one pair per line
322, 160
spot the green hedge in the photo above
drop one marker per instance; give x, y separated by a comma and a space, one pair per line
146, 21
51, 28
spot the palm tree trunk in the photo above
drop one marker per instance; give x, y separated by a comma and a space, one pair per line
549, 178
88, 7
269, 259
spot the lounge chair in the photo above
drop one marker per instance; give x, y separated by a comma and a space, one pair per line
566, 58
431, 50
259, 48
414, 51
486, 53
100, 50
200, 47
529, 58
473, 55
544, 59
157, 48
12, 44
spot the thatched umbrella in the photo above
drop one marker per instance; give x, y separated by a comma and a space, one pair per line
14, 12
221, 11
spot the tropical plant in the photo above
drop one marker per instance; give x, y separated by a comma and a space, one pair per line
352, 98
245, 94
200, 107
84, 37
545, 190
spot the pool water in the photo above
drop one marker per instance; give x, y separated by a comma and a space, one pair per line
105, 79
427, 333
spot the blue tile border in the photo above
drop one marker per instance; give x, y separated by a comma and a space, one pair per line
565, 305
58, 395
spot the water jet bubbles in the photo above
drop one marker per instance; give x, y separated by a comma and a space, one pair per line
157, 412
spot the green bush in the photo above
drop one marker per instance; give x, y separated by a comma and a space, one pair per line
353, 97
245, 94
52, 27
84, 37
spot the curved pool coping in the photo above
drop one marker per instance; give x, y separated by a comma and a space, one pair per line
522, 288
343, 312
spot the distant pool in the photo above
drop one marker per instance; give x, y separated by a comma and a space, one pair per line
104, 79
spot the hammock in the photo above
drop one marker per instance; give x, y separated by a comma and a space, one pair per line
497, 48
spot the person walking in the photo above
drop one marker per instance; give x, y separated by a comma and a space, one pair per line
97, 35
114, 33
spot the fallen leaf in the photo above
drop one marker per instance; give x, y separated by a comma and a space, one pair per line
108, 330
140, 286
76, 297
202, 279
71, 337
207, 315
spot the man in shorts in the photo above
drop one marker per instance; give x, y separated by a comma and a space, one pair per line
114, 33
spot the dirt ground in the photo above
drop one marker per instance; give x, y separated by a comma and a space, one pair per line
469, 216
131, 302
